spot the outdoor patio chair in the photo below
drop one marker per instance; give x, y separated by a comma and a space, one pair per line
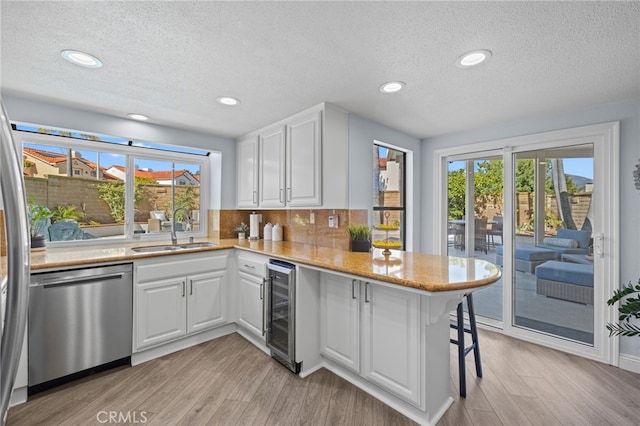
481, 234
495, 230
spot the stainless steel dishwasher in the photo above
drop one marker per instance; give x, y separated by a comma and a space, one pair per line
78, 320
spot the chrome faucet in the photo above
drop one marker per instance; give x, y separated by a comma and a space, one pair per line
174, 238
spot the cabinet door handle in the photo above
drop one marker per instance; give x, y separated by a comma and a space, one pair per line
262, 290
280, 197
264, 302
183, 288
255, 193
190, 287
366, 292
288, 194
353, 289
249, 266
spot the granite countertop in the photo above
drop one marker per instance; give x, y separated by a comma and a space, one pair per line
416, 270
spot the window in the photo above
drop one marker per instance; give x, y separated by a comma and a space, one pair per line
389, 191
98, 188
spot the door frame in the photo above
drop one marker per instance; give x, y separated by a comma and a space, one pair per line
605, 138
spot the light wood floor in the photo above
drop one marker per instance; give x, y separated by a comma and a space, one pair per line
228, 381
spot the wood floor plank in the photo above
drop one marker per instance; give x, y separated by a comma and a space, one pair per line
253, 375
46, 411
536, 411
208, 403
341, 404
475, 399
185, 398
229, 412
286, 408
485, 418
259, 408
502, 402
316, 404
555, 402
114, 396
457, 415
228, 381
587, 397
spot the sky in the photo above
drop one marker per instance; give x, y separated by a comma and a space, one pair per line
572, 166
107, 159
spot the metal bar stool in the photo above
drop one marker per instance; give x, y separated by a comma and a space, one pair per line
462, 350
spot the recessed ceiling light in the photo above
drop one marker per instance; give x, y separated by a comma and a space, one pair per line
228, 100
392, 86
473, 59
81, 58
138, 117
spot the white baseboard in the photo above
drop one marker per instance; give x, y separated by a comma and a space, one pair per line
629, 363
18, 396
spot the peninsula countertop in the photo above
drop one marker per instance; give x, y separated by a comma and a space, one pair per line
416, 270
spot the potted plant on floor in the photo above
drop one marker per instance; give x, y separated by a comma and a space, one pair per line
360, 238
629, 309
241, 229
39, 218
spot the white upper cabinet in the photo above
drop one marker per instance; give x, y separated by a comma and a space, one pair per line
304, 161
247, 164
272, 168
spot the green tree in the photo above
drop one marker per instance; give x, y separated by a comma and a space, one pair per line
525, 178
112, 193
456, 194
187, 197
488, 184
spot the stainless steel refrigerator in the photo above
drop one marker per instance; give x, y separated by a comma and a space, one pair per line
16, 277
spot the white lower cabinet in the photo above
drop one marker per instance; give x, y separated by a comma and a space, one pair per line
205, 301
250, 292
177, 297
373, 330
160, 311
391, 340
340, 320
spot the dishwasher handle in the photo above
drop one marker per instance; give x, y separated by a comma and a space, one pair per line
76, 281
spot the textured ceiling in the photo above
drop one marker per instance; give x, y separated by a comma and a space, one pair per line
171, 60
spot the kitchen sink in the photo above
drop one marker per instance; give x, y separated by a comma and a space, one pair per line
171, 247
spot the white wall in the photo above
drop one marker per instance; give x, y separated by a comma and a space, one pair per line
362, 133
628, 113
47, 114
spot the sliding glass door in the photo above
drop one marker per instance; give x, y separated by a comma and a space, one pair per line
475, 217
550, 202
553, 255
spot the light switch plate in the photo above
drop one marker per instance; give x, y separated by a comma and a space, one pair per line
333, 221
312, 218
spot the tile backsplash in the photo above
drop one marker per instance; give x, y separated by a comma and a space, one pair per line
297, 224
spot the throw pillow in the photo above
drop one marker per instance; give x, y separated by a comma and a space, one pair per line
560, 242
582, 237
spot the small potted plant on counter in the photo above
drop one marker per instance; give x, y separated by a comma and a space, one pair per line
360, 238
241, 230
39, 219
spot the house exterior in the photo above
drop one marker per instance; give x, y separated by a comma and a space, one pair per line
163, 177
42, 163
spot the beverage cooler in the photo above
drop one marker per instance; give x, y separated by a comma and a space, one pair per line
281, 313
